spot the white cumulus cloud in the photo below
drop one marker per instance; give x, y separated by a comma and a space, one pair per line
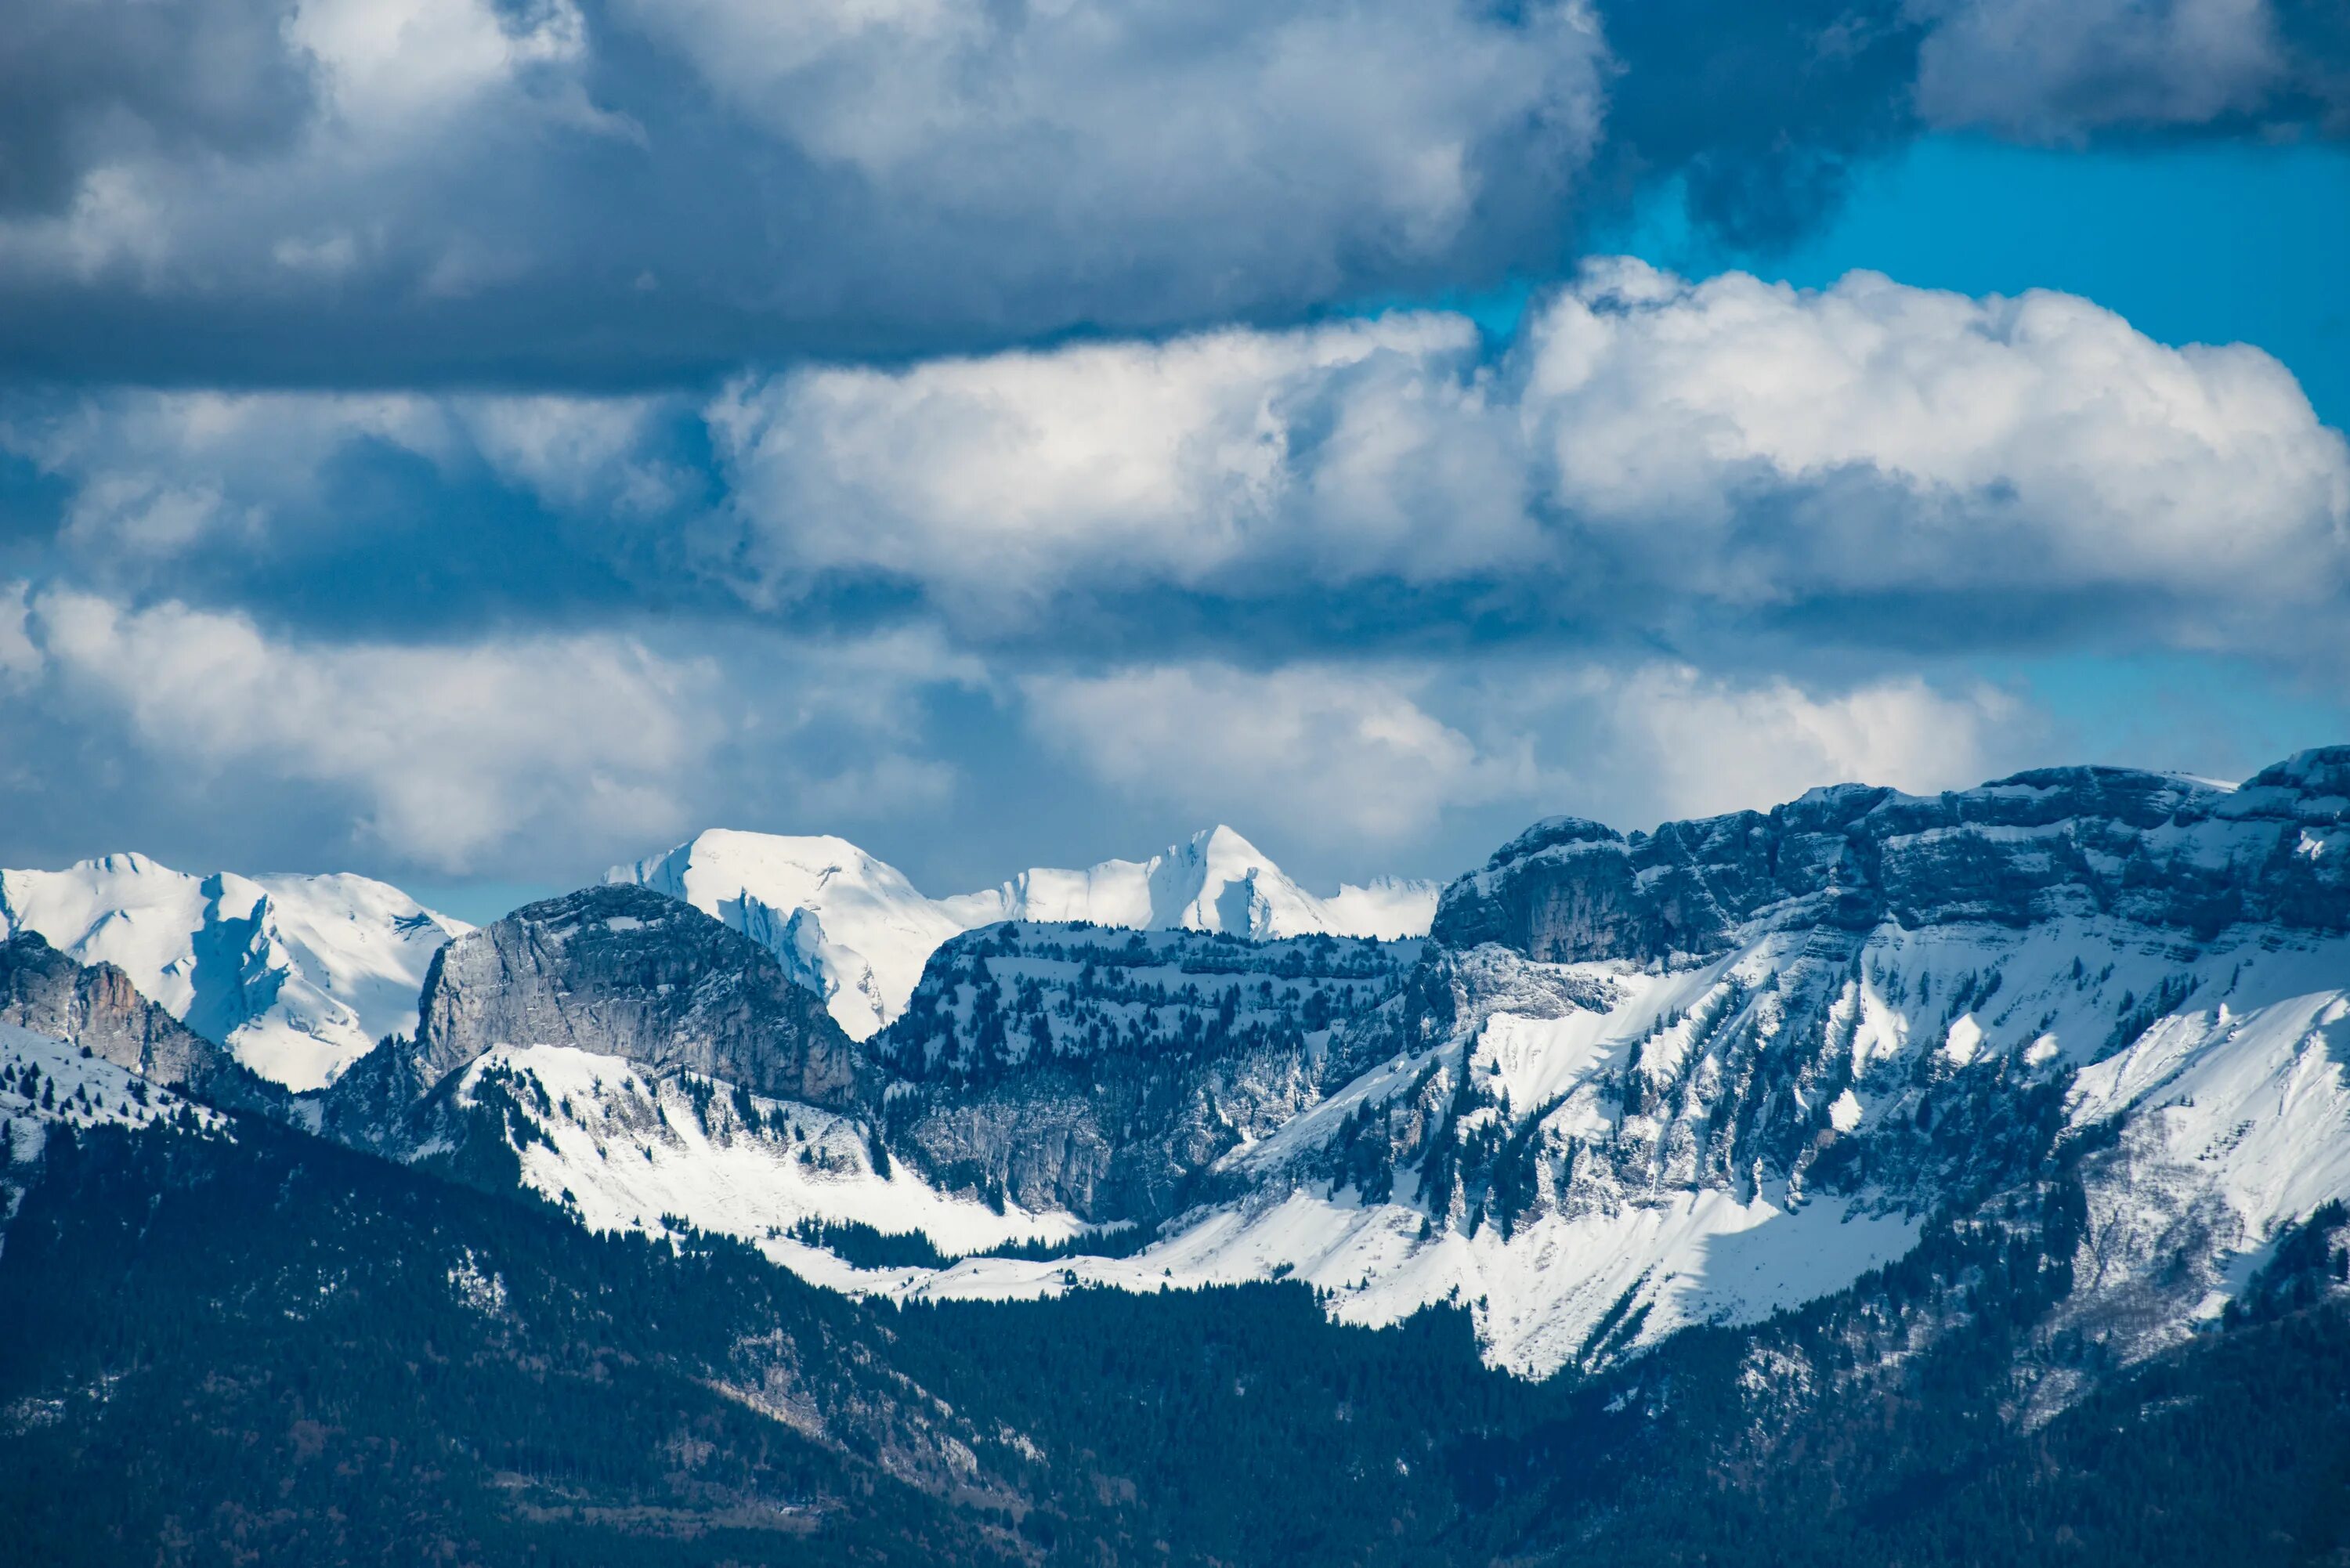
1324, 753
1678, 743
445, 752
1728, 442
1874, 437
998, 482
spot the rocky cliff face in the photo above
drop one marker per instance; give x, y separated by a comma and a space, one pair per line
95, 1005
1104, 1071
2150, 848
620, 973
623, 972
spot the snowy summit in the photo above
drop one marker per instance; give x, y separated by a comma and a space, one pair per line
855, 929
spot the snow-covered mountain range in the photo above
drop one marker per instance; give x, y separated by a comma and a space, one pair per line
298, 975
1625, 1085
855, 929
1630, 1083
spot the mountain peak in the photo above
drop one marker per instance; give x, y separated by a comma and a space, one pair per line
1553, 832
848, 925
2321, 771
1218, 881
625, 971
856, 930
123, 863
719, 851
1225, 841
297, 975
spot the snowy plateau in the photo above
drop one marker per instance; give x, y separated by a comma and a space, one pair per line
1607, 1087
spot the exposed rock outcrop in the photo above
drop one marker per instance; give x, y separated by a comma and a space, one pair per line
95, 1006
1106, 1071
624, 971
2152, 848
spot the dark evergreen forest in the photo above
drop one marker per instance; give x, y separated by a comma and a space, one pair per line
270, 1349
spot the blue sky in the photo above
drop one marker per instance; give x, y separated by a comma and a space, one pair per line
480, 450
2194, 242
2209, 242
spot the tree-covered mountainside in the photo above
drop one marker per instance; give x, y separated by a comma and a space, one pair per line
257, 1342
232, 1343
272, 1349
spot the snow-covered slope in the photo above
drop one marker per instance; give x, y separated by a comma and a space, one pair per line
847, 926
298, 975
625, 1148
1390, 908
45, 1083
854, 929
2233, 1118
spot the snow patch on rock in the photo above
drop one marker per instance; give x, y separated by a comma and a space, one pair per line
625, 1149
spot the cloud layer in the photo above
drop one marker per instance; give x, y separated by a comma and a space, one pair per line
1322, 754
441, 751
511, 755
1652, 451
1338, 758
1649, 457
1675, 547
435, 187
569, 191
2041, 70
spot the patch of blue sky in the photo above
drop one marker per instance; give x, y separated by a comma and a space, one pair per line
2201, 243
2193, 243
2209, 714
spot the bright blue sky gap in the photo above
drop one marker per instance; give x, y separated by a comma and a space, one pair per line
2194, 243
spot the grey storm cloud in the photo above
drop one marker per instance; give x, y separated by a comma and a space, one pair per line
609, 192
557, 192
83, 85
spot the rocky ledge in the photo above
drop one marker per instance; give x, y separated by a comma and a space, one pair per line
2153, 849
